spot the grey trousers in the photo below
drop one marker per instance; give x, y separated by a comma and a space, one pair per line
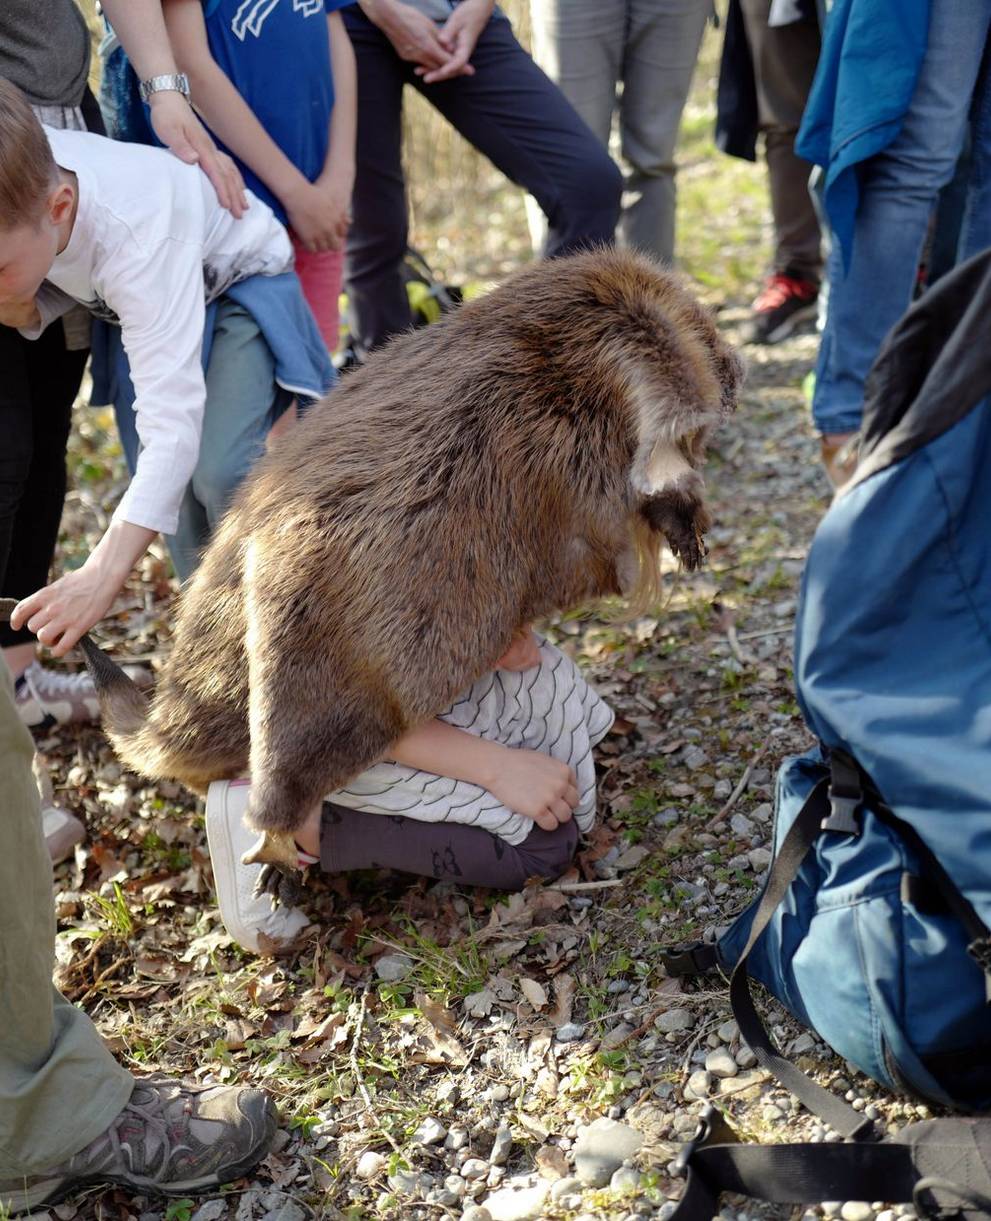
590, 47
785, 59
59, 1086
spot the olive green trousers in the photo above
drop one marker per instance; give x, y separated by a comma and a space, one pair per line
59, 1085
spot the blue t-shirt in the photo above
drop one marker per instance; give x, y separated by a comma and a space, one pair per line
277, 54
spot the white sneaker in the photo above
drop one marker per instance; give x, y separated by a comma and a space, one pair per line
251, 920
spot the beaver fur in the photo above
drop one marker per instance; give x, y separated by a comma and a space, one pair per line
524, 455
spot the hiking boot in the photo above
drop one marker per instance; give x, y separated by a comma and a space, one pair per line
250, 918
783, 303
169, 1140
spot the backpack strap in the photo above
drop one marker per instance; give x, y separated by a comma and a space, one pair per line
941, 1166
822, 807
713, 1163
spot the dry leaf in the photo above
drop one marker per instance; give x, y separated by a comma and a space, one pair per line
479, 1004
564, 998
533, 992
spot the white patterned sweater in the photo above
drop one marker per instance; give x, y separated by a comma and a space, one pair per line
549, 708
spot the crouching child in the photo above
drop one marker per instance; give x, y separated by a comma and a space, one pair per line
212, 318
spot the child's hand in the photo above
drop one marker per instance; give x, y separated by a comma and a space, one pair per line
61, 612
315, 216
536, 786
522, 654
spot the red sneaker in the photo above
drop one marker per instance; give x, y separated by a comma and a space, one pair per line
783, 303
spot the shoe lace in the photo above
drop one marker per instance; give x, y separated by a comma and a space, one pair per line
150, 1113
47, 683
780, 289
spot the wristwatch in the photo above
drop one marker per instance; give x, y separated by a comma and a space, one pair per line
177, 81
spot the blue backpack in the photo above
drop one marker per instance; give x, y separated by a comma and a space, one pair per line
872, 927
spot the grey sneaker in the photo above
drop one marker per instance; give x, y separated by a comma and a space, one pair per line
169, 1140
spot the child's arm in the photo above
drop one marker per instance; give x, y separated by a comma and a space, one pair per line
337, 177
138, 24
158, 296
233, 120
525, 781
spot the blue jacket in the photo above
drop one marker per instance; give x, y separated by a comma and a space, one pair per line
872, 54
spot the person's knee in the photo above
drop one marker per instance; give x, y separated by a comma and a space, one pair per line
548, 854
589, 198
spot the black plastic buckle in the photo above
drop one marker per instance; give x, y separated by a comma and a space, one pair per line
713, 1129
691, 958
842, 810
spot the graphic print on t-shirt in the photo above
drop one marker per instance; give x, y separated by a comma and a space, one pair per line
252, 14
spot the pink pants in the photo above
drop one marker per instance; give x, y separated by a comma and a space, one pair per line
321, 273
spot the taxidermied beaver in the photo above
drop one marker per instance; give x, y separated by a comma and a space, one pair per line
526, 454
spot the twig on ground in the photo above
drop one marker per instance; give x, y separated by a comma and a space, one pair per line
738, 792
572, 887
359, 1081
771, 631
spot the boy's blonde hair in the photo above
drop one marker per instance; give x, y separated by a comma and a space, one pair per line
27, 167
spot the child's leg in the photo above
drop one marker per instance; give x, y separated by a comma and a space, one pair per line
320, 275
355, 839
242, 403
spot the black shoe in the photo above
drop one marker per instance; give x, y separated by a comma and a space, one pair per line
784, 302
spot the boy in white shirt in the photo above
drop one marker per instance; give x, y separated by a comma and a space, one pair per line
139, 237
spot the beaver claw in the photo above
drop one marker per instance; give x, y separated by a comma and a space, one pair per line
278, 855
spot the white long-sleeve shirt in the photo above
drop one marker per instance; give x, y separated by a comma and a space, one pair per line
150, 247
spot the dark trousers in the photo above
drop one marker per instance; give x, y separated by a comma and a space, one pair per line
39, 385
512, 113
785, 59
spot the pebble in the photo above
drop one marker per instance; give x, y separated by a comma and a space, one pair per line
857, 1210
498, 1093
772, 1113
721, 1064
475, 1212
674, 1020
430, 1132
728, 1031
501, 1147
455, 1184
369, 1164
759, 859
571, 1032
617, 1036
742, 826
393, 967
565, 1187
667, 818
449, 1091
210, 1211
406, 1183
722, 790
804, 1043
440, 1195
762, 812
699, 1084
666, 1210
625, 1179
694, 757
457, 1138
518, 1200
601, 1148
889, 1214
474, 1168
615, 986
552, 1162
745, 1058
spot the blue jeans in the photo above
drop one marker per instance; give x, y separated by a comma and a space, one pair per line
898, 189
243, 401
